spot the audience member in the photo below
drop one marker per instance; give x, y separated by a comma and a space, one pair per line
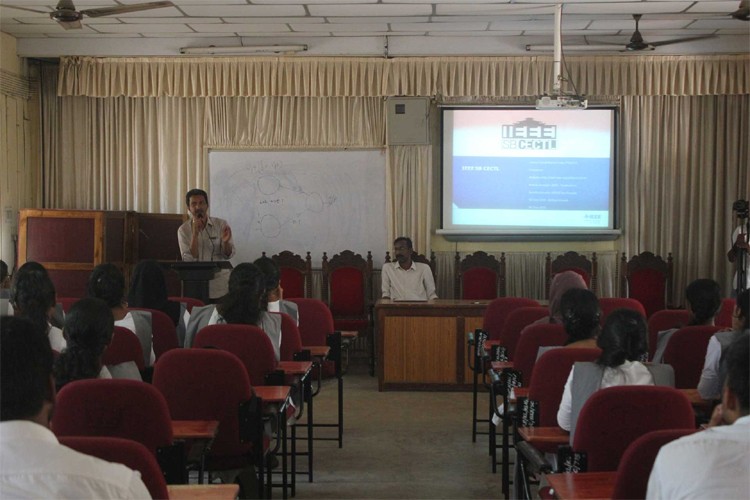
703, 300
33, 464
406, 279
561, 283
5, 308
715, 366
713, 463
242, 305
273, 299
107, 283
581, 317
623, 341
148, 289
88, 330
32, 296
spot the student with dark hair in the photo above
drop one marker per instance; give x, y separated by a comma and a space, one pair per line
704, 301
5, 308
715, 366
713, 463
580, 316
4, 275
107, 283
561, 283
88, 329
273, 299
405, 279
242, 305
624, 343
33, 464
32, 295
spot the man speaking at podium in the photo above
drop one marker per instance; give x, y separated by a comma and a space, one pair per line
204, 238
406, 279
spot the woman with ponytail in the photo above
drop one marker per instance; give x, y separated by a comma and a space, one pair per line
624, 345
88, 329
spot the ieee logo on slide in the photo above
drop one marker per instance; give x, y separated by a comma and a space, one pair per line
529, 134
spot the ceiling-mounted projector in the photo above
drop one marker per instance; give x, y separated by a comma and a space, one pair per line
561, 102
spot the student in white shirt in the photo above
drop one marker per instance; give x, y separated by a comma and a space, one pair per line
273, 300
33, 464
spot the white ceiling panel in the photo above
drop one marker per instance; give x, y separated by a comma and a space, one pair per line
244, 10
377, 27
439, 26
240, 27
370, 10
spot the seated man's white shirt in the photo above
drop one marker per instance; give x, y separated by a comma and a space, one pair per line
415, 283
33, 464
714, 463
56, 339
129, 323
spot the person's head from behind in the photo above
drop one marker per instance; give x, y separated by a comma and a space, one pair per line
89, 325
26, 388
624, 337
4, 275
242, 304
402, 249
197, 202
271, 279
107, 283
33, 293
561, 283
704, 300
741, 314
735, 398
148, 288
580, 314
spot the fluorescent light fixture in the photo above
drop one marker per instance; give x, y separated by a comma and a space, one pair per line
576, 48
243, 49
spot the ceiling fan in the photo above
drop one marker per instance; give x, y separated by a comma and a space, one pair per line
69, 18
637, 43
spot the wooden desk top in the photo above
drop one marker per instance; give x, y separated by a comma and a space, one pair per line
295, 367
521, 392
586, 485
544, 435
203, 491
432, 304
195, 429
318, 351
272, 393
349, 334
695, 398
499, 366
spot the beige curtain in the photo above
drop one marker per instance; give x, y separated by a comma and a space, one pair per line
409, 194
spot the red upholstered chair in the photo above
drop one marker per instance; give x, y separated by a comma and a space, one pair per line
66, 302
532, 338
648, 278
124, 347
315, 321
479, 276
126, 452
498, 311
212, 384
163, 331
572, 261
418, 257
189, 302
638, 460
291, 340
686, 352
614, 417
664, 320
724, 317
249, 343
517, 320
609, 304
296, 274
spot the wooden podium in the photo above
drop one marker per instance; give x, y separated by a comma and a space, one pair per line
196, 275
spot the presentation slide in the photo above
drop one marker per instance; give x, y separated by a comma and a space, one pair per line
528, 168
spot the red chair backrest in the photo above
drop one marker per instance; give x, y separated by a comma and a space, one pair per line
315, 321
724, 317
293, 282
248, 342
163, 331
532, 338
125, 346
649, 287
638, 460
614, 417
498, 311
549, 376
291, 340
479, 283
686, 352
517, 320
206, 384
66, 302
123, 451
116, 408
664, 320
609, 304
347, 292
190, 302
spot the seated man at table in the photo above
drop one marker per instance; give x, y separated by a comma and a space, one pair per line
406, 279
33, 464
713, 463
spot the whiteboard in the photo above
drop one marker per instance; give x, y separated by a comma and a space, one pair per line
302, 201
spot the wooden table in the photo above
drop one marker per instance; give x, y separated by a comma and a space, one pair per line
696, 400
586, 485
203, 491
195, 429
553, 435
422, 345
